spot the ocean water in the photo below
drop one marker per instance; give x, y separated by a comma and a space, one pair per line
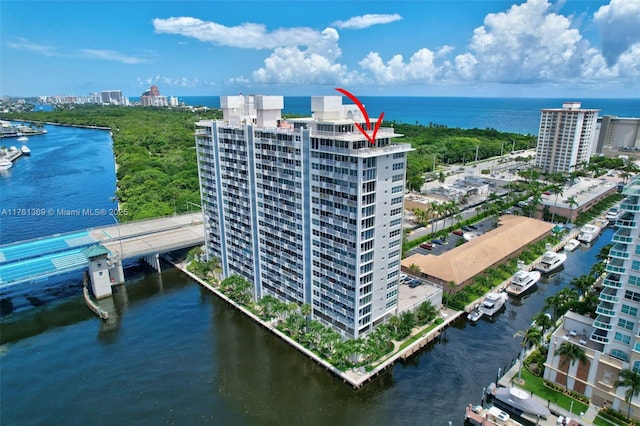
516, 115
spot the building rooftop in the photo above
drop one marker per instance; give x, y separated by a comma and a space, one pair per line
471, 258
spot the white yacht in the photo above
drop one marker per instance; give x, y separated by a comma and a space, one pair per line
522, 281
475, 315
551, 261
23, 139
588, 233
612, 215
571, 245
25, 150
5, 164
493, 302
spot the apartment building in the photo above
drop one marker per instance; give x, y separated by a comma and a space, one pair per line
307, 209
611, 340
565, 137
617, 134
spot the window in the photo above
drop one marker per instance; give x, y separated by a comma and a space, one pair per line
636, 366
397, 189
617, 353
629, 310
620, 337
633, 280
397, 178
398, 166
623, 323
632, 295
635, 265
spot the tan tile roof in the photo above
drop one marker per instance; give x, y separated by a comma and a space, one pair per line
469, 259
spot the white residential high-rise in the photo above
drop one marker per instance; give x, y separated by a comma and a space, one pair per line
611, 340
307, 209
565, 137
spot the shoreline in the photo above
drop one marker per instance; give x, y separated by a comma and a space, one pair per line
355, 377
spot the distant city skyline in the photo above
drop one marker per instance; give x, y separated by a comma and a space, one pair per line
537, 48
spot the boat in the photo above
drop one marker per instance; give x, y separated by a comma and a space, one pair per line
5, 164
25, 150
571, 245
522, 281
517, 401
588, 233
551, 261
492, 416
612, 215
475, 315
492, 303
23, 139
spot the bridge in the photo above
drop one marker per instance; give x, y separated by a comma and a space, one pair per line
32, 260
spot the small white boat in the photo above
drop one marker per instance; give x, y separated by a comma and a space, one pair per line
479, 416
475, 315
492, 303
522, 281
23, 139
588, 233
571, 245
5, 164
551, 261
25, 150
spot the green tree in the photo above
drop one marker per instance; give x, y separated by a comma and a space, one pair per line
631, 380
571, 353
557, 190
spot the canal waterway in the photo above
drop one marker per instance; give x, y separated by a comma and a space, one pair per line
172, 353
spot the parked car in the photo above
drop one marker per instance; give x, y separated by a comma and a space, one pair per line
458, 232
438, 242
473, 227
414, 283
466, 228
426, 246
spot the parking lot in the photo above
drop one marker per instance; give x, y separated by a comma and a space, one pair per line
453, 240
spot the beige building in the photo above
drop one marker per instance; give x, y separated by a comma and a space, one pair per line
461, 264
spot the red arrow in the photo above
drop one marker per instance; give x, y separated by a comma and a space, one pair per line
372, 138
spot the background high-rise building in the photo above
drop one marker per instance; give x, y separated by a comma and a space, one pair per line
617, 134
611, 340
306, 209
565, 138
152, 97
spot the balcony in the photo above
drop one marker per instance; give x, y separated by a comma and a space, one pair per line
612, 281
616, 266
600, 336
619, 251
603, 323
627, 221
630, 204
606, 309
609, 295
622, 235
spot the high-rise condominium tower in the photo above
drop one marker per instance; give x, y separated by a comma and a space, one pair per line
307, 209
565, 137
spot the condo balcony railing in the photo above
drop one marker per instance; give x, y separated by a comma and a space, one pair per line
606, 309
609, 295
619, 251
600, 336
630, 204
612, 281
627, 221
616, 266
602, 322
622, 235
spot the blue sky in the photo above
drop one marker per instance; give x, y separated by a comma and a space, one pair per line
534, 48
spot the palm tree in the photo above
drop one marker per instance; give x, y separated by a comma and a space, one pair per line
571, 201
570, 354
582, 283
557, 190
543, 321
531, 335
631, 380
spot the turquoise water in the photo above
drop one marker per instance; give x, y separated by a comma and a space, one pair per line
517, 115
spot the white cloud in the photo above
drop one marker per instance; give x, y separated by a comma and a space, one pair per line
366, 21
110, 55
24, 44
619, 24
247, 35
421, 67
173, 81
314, 65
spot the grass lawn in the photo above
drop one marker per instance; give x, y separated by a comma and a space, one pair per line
536, 386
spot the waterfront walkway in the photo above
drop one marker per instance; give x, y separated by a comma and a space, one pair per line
40, 258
